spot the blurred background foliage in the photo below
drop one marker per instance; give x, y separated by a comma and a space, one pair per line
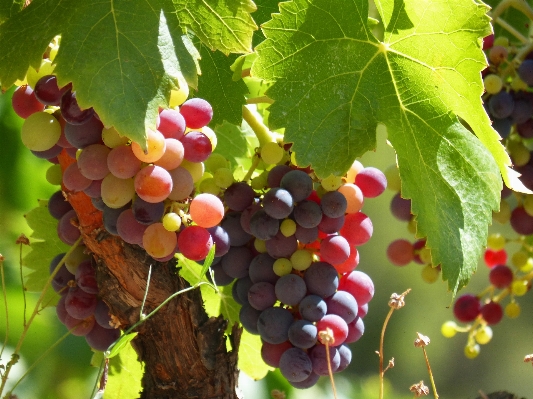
66, 372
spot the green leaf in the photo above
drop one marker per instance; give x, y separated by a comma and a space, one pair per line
217, 86
45, 245
265, 9
9, 8
237, 144
122, 57
125, 375
224, 25
121, 344
334, 82
207, 263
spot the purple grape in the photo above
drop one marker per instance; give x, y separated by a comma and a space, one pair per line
80, 304
101, 338
278, 203
239, 196
501, 105
303, 334
240, 290
94, 190
346, 357
313, 308
221, 278
319, 359
521, 221
290, 289
276, 174
525, 129
343, 304
86, 277
67, 232
110, 218
78, 327
401, 208
102, 315
220, 239
47, 91
307, 383
71, 111
280, 246
237, 261
306, 235
249, 319
522, 112
525, 71
295, 365
232, 225
98, 203
147, 212
58, 205
503, 126
298, 183
48, 154
331, 225
263, 226
321, 279
60, 282
356, 329
308, 214
85, 134
261, 295
333, 204
273, 325
261, 269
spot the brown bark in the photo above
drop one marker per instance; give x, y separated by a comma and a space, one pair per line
183, 350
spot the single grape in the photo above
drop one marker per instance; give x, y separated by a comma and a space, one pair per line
220, 236
371, 181
40, 131
195, 242
271, 353
297, 183
335, 325
343, 304
358, 284
263, 226
67, 232
71, 111
237, 235
273, 325
58, 205
261, 269
237, 261
24, 102
100, 338
307, 214
278, 203
492, 312
84, 134
295, 365
261, 295
333, 204
356, 329
129, 228
48, 92
400, 252
171, 124
290, 289
280, 246
80, 304
466, 308
153, 183
206, 210
122, 162
313, 308
401, 208
319, 358
354, 197
158, 241
197, 113
525, 71
272, 153
117, 192
501, 276
155, 143
321, 279
493, 83
102, 315
334, 249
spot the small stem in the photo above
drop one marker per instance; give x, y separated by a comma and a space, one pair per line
261, 131
430, 374
511, 30
260, 100
245, 72
141, 314
5, 302
35, 312
255, 163
330, 372
39, 360
22, 284
520, 5
382, 339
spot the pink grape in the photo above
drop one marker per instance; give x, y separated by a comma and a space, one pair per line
158, 242
122, 162
195, 242
93, 161
336, 324
357, 228
371, 181
197, 113
74, 180
466, 308
206, 210
153, 183
155, 142
358, 284
182, 184
129, 229
25, 103
197, 146
400, 252
334, 249
171, 124
173, 155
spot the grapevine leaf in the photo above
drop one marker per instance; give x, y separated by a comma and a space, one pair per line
45, 245
224, 25
125, 375
334, 82
121, 344
236, 144
123, 58
264, 12
217, 86
9, 8
207, 263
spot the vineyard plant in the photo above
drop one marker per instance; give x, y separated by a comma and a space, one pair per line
227, 199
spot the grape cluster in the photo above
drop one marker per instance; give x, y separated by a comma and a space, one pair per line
292, 250
486, 308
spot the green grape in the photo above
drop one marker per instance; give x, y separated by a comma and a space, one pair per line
196, 169
393, 178
493, 83
483, 335
411, 226
54, 175
472, 351
519, 153
504, 215
215, 161
259, 182
272, 153
260, 246
211, 135
112, 138
32, 76
528, 204
40, 131
501, 41
331, 183
208, 185
496, 241
282, 266
430, 274
301, 259
512, 310
449, 329
519, 287
117, 192
288, 227
223, 177
528, 266
425, 255
519, 259
171, 221
77, 256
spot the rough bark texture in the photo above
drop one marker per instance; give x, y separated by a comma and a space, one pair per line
184, 351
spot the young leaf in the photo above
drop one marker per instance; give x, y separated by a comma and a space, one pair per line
334, 82
207, 263
217, 86
125, 375
121, 344
222, 25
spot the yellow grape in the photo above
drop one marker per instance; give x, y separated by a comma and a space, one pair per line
40, 131
393, 178
171, 221
301, 259
260, 246
483, 335
504, 215
117, 192
272, 153
472, 351
493, 83
353, 171
223, 177
158, 242
54, 175
112, 138
155, 144
215, 161
496, 241
288, 227
512, 310
519, 259
430, 274
519, 153
178, 97
449, 329
196, 169
519, 287
332, 183
208, 185
528, 204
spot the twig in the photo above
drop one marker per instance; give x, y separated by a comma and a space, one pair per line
260, 100
5, 302
261, 131
511, 30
